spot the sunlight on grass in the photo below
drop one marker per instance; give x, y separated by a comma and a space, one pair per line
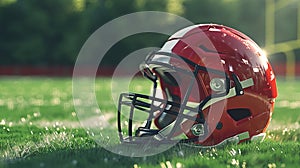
39, 128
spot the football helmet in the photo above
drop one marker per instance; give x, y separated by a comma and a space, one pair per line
211, 85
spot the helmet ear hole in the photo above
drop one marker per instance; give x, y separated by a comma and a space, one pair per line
239, 113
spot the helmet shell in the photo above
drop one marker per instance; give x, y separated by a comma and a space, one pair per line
224, 49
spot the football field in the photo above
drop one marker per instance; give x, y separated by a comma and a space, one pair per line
39, 128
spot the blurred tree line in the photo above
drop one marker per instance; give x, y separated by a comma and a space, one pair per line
51, 32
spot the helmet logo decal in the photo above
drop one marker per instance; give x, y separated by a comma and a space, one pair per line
198, 129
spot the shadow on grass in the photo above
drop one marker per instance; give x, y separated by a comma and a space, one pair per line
280, 148
95, 157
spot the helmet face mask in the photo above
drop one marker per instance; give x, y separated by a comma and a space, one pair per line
194, 98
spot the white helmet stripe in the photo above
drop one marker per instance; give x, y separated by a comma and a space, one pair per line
182, 32
169, 46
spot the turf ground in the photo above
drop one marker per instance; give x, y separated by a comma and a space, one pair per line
39, 128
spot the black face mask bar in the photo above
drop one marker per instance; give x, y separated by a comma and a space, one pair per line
148, 104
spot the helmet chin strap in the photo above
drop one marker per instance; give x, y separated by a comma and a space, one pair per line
164, 133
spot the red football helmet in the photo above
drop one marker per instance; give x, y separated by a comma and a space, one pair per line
217, 87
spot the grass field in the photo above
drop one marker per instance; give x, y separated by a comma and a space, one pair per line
39, 128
